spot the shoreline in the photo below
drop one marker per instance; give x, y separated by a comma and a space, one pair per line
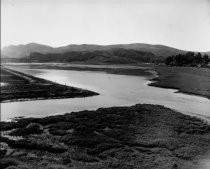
33, 88
148, 73
156, 81
35, 99
182, 80
155, 84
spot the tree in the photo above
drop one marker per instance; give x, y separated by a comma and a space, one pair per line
206, 59
188, 59
179, 60
169, 60
198, 58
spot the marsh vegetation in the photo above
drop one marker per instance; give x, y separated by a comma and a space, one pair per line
146, 136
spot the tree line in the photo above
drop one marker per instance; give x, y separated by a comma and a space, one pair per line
188, 59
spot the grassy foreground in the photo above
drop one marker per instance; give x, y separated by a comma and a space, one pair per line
141, 136
189, 80
19, 86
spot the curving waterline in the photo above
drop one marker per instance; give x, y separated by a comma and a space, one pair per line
115, 90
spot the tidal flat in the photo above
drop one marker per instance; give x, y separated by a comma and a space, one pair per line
191, 80
139, 136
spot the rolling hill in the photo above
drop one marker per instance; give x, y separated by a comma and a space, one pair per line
120, 53
20, 51
112, 56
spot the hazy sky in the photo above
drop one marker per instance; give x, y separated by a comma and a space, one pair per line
183, 24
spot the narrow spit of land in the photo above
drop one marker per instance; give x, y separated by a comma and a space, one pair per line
141, 136
17, 86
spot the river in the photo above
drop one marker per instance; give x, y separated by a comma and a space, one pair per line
114, 90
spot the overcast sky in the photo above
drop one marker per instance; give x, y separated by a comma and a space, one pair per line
183, 24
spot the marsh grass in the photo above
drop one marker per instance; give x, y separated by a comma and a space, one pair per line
146, 136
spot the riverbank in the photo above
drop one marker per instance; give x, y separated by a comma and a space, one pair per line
18, 86
140, 70
188, 80
145, 136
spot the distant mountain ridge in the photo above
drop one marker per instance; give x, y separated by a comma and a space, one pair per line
24, 50
112, 56
19, 51
90, 52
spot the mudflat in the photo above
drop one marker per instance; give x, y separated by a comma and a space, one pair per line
17, 86
189, 80
140, 136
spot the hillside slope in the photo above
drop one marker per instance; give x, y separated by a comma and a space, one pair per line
113, 56
24, 50
88, 53
20, 51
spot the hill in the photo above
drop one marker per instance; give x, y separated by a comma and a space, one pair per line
158, 50
24, 50
112, 56
19, 51
120, 53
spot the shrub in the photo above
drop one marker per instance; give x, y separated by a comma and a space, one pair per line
32, 128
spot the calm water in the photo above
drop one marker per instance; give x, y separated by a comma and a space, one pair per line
115, 90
